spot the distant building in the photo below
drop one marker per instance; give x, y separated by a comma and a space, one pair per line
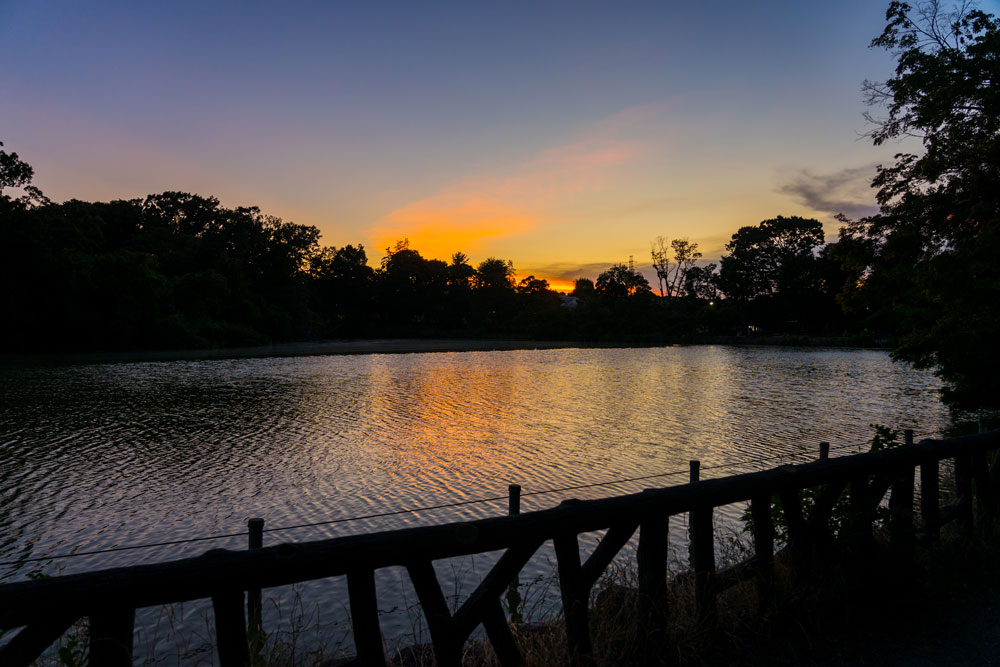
568, 301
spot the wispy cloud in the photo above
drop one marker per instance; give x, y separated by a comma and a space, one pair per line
846, 191
467, 214
565, 271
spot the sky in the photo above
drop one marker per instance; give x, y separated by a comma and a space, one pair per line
564, 136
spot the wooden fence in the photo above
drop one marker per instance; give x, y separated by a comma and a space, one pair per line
45, 609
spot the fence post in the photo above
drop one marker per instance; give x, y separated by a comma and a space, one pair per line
763, 539
964, 471
230, 628
930, 510
985, 500
818, 525
652, 570
702, 557
364, 617
693, 476
513, 596
901, 505
574, 599
963, 489
513, 499
255, 624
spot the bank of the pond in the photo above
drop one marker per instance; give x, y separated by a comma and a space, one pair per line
299, 349
420, 345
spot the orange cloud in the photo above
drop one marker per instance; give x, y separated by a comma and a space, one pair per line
442, 225
467, 215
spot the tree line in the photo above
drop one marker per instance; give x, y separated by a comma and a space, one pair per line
181, 270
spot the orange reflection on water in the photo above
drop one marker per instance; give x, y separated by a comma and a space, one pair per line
455, 420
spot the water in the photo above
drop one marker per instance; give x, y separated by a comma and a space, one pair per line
104, 455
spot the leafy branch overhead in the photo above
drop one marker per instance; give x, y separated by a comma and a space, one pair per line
928, 259
17, 174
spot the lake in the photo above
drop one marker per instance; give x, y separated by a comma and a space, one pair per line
98, 456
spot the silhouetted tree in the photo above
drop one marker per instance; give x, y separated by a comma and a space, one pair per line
15, 173
620, 281
342, 286
494, 294
532, 285
769, 258
172, 270
661, 262
582, 288
539, 311
685, 255
494, 274
412, 290
701, 282
935, 243
770, 271
461, 274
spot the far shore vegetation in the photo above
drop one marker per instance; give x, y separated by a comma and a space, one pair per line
180, 271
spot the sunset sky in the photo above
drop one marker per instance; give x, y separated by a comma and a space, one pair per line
563, 136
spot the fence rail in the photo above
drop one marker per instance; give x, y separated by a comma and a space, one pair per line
46, 608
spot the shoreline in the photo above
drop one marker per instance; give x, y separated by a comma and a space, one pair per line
412, 346
297, 349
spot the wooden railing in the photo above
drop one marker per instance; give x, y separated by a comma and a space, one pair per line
45, 609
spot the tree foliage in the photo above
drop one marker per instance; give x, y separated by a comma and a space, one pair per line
702, 282
933, 248
17, 174
770, 258
672, 276
173, 270
494, 274
14, 172
661, 262
622, 281
686, 255
781, 278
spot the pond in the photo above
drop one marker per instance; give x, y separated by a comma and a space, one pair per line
99, 456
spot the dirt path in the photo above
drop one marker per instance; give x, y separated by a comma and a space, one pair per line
967, 634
